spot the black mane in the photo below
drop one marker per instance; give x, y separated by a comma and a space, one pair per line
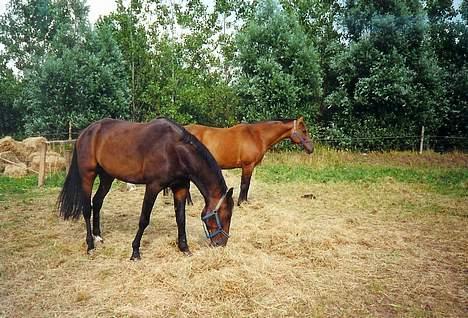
201, 149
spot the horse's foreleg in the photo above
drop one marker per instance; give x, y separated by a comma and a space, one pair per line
104, 187
181, 193
151, 193
245, 183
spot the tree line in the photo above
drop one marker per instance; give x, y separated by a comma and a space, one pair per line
354, 69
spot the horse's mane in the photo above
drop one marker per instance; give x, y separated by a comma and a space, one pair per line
201, 149
274, 119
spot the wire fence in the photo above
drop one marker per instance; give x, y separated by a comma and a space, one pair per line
413, 143
378, 143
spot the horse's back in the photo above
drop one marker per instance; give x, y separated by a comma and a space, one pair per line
231, 147
127, 150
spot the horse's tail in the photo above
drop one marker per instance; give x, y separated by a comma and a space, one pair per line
70, 201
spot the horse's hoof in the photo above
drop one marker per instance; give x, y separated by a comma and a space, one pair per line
90, 252
98, 239
187, 253
135, 257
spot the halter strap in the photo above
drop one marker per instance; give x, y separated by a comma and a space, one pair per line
219, 227
220, 202
294, 130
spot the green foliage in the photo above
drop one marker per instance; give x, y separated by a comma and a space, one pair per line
80, 79
362, 71
448, 35
389, 83
279, 72
131, 37
10, 117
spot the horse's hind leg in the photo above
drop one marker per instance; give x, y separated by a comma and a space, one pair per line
245, 182
189, 196
87, 180
105, 183
151, 193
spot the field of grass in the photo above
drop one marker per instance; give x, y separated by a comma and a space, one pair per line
334, 234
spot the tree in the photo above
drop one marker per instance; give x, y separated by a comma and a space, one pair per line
80, 77
389, 81
10, 117
131, 36
278, 67
187, 82
319, 19
449, 40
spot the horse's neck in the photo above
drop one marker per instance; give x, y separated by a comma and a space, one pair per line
274, 133
208, 183
210, 192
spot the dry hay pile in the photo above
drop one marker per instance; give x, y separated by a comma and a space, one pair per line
380, 250
23, 157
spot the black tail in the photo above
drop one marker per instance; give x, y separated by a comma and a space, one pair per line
70, 200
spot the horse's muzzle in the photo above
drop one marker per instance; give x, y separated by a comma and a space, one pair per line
217, 232
309, 148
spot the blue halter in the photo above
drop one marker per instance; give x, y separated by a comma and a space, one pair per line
219, 228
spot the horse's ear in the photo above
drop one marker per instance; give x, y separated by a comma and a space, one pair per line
300, 118
229, 193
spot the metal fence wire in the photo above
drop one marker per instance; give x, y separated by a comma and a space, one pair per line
379, 143
412, 143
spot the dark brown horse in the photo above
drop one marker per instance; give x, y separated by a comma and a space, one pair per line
244, 145
159, 154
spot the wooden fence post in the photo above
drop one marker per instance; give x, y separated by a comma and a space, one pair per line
42, 164
421, 144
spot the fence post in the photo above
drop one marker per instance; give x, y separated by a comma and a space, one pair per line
421, 144
42, 164
69, 130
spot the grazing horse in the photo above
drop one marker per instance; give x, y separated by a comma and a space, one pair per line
244, 145
158, 154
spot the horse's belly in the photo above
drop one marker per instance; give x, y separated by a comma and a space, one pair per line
122, 167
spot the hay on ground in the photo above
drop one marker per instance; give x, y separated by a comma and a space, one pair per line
18, 148
7, 155
33, 144
15, 171
54, 161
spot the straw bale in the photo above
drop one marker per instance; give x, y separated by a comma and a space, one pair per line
54, 161
33, 144
16, 171
9, 144
8, 155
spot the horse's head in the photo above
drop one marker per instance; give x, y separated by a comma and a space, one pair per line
218, 220
300, 136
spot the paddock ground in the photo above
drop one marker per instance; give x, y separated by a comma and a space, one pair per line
385, 249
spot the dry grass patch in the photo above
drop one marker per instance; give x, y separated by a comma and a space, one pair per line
350, 250
324, 157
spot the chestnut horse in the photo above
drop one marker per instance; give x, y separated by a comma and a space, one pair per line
158, 154
244, 145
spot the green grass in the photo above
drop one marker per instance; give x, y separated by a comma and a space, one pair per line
26, 186
444, 174
452, 181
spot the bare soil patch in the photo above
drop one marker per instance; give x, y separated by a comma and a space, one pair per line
297, 249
